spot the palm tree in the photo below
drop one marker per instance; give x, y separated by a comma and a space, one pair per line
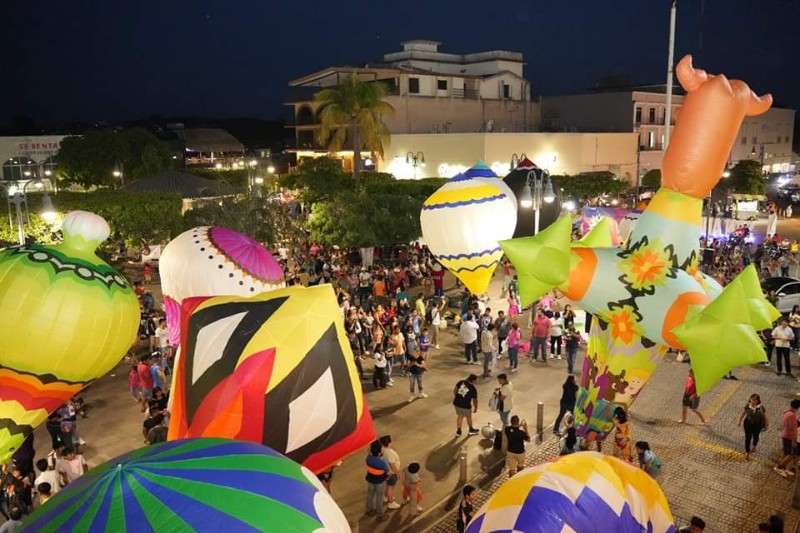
355, 107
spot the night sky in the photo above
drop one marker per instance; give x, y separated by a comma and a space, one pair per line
115, 60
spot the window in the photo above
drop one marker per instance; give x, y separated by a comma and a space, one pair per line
652, 115
755, 139
638, 115
413, 85
441, 85
651, 138
506, 91
744, 140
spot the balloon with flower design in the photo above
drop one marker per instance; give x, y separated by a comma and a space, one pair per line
463, 221
650, 295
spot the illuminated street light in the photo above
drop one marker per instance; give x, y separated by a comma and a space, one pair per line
271, 169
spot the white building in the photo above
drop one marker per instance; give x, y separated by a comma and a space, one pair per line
430, 155
28, 156
643, 110
431, 92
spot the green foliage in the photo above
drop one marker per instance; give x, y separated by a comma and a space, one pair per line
589, 185
235, 177
90, 160
135, 218
652, 179
262, 219
317, 179
747, 178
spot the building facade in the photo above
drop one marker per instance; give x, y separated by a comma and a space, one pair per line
431, 92
414, 156
25, 157
767, 138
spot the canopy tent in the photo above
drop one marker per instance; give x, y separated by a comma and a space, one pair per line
748, 197
525, 217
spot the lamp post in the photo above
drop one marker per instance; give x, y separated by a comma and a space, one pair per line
415, 160
119, 172
542, 190
17, 195
670, 70
762, 154
515, 159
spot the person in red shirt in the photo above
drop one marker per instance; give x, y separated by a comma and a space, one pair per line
437, 275
691, 400
540, 333
788, 438
145, 377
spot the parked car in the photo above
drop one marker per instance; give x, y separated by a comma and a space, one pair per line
776, 283
788, 295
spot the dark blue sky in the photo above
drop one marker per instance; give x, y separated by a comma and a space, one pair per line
89, 60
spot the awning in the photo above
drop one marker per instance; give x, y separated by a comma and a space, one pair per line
748, 197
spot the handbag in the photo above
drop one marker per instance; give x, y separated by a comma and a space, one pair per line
494, 402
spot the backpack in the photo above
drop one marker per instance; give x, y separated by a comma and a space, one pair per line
429, 315
755, 417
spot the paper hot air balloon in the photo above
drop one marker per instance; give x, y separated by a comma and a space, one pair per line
68, 319
208, 261
463, 221
275, 369
585, 491
194, 485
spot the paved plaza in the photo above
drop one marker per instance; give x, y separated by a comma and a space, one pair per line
705, 473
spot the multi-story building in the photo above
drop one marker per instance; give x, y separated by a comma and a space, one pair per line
431, 92
642, 110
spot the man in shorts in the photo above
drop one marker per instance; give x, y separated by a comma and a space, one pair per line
516, 436
466, 403
788, 438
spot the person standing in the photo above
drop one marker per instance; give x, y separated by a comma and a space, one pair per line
783, 336
503, 327
516, 436
540, 333
145, 378
487, 347
162, 336
513, 340
72, 466
436, 324
392, 458
465, 509
412, 485
556, 332
416, 367
622, 435
788, 438
505, 398
691, 400
769, 344
465, 402
572, 339
569, 392
379, 370
469, 337
377, 472
754, 416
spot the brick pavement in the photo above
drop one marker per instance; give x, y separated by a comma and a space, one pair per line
705, 473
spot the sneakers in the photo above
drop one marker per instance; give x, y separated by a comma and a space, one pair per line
412, 398
436, 347
82, 442
552, 356
458, 433
422, 395
513, 370
419, 509
558, 357
471, 432
765, 364
390, 383
393, 505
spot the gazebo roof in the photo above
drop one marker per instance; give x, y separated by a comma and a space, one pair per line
187, 185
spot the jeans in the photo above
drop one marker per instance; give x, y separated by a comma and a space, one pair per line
555, 341
513, 356
536, 343
375, 497
471, 349
487, 362
388, 371
504, 416
412, 379
783, 357
769, 348
571, 353
565, 407
796, 332
751, 433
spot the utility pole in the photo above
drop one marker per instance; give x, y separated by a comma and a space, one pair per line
670, 71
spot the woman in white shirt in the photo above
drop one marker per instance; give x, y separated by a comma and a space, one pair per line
556, 331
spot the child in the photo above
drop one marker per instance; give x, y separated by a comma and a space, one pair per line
465, 510
570, 443
378, 373
413, 483
648, 461
148, 274
622, 435
134, 384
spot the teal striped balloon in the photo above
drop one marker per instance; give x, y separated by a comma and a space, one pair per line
193, 485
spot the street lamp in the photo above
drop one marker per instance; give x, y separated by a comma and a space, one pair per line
761, 154
542, 191
17, 196
119, 172
415, 160
515, 160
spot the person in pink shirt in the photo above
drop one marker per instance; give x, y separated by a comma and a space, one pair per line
540, 333
514, 336
788, 438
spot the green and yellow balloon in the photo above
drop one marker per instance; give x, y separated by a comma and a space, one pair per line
68, 318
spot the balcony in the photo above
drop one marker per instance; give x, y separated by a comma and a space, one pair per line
654, 148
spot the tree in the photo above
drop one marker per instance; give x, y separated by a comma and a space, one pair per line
91, 160
355, 107
317, 179
747, 178
652, 179
265, 220
589, 185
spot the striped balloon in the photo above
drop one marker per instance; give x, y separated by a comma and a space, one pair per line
194, 485
463, 221
587, 492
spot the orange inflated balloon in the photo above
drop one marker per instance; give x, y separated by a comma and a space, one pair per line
704, 135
